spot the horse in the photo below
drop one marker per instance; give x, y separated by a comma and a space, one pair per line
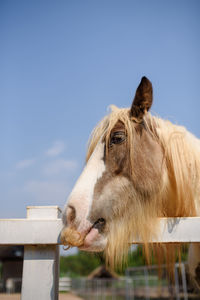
139, 167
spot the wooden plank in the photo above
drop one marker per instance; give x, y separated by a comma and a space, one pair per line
43, 212
41, 262
40, 273
30, 232
178, 230
41, 232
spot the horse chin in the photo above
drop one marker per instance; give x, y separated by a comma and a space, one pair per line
94, 241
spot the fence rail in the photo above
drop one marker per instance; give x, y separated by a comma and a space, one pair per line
47, 231
30, 232
40, 233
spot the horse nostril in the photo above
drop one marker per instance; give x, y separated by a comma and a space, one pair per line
101, 221
99, 224
71, 214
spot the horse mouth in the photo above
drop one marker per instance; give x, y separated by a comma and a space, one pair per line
72, 238
95, 240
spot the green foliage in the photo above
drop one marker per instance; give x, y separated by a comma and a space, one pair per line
136, 258
81, 264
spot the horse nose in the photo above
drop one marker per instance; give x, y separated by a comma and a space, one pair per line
71, 214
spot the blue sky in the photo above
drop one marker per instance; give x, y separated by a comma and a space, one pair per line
62, 63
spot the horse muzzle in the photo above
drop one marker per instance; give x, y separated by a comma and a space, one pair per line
71, 237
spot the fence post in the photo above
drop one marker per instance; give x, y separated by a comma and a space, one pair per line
41, 262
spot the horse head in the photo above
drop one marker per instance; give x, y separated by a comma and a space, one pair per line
138, 168
122, 176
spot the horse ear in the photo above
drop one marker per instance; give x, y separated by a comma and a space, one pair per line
142, 100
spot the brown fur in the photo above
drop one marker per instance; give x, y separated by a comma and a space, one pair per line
142, 101
160, 166
154, 172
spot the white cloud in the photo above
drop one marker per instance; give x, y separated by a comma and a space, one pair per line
23, 164
57, 148
58, 166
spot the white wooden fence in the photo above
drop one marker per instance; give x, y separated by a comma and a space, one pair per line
40, 232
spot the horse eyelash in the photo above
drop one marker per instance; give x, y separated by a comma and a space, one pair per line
120, 134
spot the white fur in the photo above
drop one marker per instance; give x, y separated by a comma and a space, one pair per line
81, 196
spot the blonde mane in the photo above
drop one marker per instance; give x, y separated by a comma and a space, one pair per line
179, 186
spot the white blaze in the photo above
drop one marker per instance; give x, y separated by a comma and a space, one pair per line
82, 194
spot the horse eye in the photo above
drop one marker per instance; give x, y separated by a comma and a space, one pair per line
117, 138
